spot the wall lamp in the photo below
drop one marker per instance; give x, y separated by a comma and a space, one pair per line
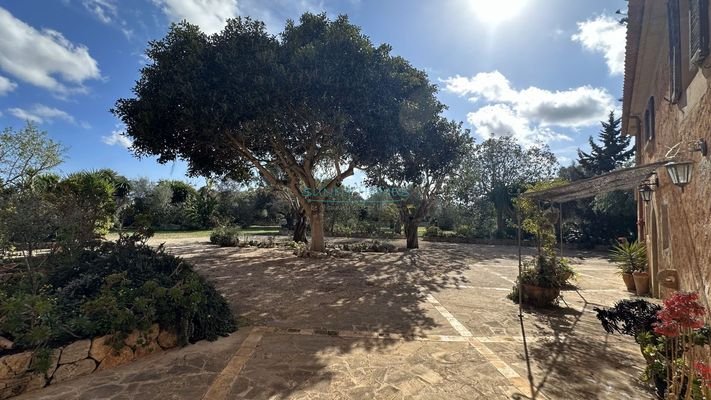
645, 189
681, 172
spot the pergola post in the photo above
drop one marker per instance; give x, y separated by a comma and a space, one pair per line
520, 301
560, 226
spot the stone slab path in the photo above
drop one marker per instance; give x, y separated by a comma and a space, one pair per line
429, 324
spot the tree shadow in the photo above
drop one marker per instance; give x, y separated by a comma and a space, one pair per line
579, 357
332, 314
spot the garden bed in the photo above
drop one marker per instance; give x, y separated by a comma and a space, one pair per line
61, 313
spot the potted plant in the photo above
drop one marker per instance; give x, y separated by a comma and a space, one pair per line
631, 260
641, 282
542, 277
540, 281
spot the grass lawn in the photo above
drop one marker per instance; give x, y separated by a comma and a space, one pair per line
159, 235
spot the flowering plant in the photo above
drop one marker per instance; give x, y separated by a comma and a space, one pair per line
680, 322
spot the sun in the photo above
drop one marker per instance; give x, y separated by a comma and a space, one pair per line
494, 12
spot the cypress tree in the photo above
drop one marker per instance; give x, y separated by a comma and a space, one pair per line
612, 152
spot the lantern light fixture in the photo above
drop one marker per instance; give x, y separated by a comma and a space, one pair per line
645, 191
680, 172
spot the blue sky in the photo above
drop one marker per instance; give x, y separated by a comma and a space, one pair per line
541, 70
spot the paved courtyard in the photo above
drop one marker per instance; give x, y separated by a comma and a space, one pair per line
432, 323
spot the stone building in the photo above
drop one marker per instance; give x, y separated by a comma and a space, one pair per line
667, 107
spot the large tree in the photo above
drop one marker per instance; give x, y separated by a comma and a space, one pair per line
420, 175
610, 214
25, 154
612, 152
498, 169
319, 97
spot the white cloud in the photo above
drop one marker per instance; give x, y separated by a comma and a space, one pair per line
489, 85
117, 138
209, 15
530, 113
604, 34
40, 113
104, 10
502, 120
6, 86
44, 58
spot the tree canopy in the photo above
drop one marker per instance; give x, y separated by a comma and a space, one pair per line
320, 96
498, 169
612, 152
425, 167
25, 154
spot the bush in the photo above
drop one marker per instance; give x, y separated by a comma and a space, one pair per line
629, 317
112, 289
433, 231
464, 231
374, 246
225, 236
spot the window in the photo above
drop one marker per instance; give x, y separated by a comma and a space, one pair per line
649, 120
698, 31
674, 51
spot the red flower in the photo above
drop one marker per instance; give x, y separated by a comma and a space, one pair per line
666, 328
704, 372
682, 310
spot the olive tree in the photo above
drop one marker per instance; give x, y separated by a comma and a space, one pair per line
241, 101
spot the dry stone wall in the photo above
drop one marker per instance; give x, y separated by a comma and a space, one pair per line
19, 375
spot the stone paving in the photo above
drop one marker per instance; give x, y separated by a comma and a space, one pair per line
431, 323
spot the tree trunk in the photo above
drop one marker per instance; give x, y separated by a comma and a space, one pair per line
318, 242
300, 228
411, 234
500, 222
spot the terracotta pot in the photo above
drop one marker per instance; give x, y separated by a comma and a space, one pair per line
539, 296
629, 281
641, 283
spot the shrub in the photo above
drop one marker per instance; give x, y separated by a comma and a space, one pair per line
629, 317
433, 231
464, 231
375, 246
225, 236
112, 289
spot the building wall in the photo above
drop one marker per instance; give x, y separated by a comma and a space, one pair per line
676, 224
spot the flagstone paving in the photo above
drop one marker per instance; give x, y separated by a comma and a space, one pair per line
432, 323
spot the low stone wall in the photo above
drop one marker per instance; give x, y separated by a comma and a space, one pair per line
83, 357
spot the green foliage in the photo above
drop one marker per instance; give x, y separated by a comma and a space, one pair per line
87, 206
537, 219
112, 289
497, 170
630, 256
26, 154
29, 319
210, 100
629, 317
433, 231
225, 236
375, 246
613, 152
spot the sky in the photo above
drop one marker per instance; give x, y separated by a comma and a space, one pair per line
543, 71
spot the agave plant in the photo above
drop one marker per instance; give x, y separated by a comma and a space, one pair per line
630, 257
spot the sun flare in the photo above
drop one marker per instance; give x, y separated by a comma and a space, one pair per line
494, 12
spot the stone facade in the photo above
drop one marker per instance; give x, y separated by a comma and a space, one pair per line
18, 375
676, 223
